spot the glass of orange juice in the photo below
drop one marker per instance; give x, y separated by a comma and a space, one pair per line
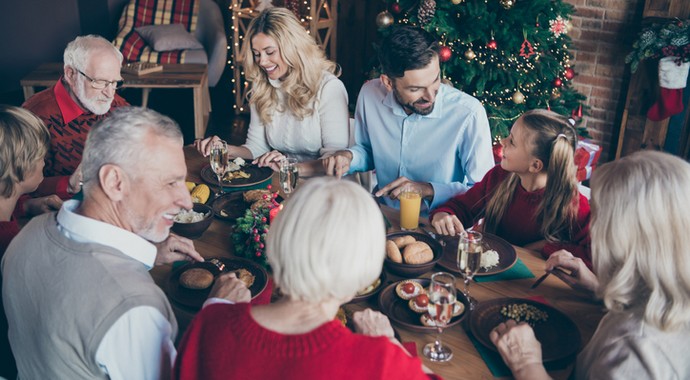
410, 204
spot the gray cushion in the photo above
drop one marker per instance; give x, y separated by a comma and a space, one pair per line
168, 37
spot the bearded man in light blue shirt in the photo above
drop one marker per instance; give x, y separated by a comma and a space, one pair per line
415, 130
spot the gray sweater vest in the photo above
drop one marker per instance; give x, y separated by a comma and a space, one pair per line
61, 297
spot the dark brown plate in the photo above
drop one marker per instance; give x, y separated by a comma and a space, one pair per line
373, 292
399, 312
195, 298
256, 175
507, 257
558, 335
232, 205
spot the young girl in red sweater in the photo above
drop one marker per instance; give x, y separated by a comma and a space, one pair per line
531, 199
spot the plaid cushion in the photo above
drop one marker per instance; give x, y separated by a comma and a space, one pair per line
153, 12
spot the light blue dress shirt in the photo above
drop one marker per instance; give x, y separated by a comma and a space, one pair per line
450, 148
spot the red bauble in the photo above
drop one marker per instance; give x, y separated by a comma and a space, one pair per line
395, 8
569, 73
498, 152
493, 45
444, 54
557, 82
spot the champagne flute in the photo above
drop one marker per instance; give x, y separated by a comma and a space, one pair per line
219, 161
289, 173
470, 250
441, 302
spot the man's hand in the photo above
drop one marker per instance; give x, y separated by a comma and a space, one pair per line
229, 287
519, 349
176, 248
338, 164
576, 273
447, 224
75, 181
393, 189
271, 159
36, 206
372, 323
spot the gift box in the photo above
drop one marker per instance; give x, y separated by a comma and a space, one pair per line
586, 157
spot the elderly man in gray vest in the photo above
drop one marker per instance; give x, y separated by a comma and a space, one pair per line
78, 296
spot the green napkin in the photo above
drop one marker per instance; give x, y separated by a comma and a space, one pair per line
498, 368
261, 185
518, 271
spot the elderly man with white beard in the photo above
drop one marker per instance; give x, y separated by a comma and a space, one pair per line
84, 95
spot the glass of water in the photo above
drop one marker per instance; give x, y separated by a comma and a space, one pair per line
289, 173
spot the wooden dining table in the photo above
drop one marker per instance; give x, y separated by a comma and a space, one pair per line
466, 362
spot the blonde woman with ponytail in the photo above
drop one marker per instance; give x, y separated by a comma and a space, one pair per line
298, 105
531, 198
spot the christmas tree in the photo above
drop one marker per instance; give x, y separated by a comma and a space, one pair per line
512, 55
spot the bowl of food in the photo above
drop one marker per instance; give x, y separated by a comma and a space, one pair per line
192, 223
371, 290
410, 254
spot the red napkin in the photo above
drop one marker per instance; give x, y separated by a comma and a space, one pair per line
539, 299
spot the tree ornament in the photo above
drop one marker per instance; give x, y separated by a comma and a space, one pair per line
426, 11
444, 54
507, 4
497, 149
559, 26
395, 8
555, 94
470, 54
557, 82
526, 49
518, 97
384, 20
493, 45
569, 73
456, 2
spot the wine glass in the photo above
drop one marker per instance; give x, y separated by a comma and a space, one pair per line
289, 173
440, 308
470, 250
219, 161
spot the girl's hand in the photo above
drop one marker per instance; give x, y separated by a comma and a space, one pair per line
446, 224
576, 273
204, 146
271, 159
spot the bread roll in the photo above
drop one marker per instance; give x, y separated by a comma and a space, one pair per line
245, 276
196, 278
418, 252
252, 196
403, 241
393, 252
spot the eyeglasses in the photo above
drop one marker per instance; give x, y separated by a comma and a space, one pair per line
102, 83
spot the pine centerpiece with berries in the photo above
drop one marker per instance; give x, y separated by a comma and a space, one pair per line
249, 236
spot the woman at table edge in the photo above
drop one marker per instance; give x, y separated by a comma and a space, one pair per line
640, 244
298, 105
324, 246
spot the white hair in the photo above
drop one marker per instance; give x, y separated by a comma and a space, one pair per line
119, 139
641, 237
328, 242
77, 53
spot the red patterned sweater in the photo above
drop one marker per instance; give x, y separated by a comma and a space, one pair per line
223, 341
68, 125
519, 225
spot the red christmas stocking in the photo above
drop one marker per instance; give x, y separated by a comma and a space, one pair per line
672, 80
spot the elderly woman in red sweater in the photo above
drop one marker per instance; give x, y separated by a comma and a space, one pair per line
328, 243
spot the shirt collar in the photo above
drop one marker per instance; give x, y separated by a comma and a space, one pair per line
69, 109
86, 230
398, 109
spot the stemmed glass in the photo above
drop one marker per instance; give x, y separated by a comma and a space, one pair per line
441, 304
289, 173
219, 161
470, 249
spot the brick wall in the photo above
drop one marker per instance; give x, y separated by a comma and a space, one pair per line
603, 32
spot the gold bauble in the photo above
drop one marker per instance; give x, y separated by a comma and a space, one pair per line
456, 2
507, 4
470, 54
518, 97
384, 20
555, 94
